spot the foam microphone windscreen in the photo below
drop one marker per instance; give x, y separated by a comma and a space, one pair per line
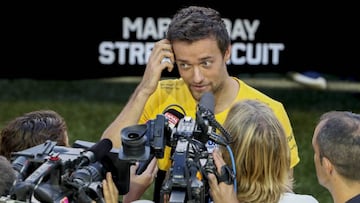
96, 152
207, 101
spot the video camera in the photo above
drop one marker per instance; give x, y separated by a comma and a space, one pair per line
186, 180
51, 173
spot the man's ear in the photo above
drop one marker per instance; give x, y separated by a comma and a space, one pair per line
328, 166
227, 53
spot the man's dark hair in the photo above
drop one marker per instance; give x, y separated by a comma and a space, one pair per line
31, 129
195, 23
339, 141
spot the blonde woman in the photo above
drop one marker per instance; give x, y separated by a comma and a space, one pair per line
262, 158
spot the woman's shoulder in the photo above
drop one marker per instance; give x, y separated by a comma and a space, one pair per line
142, 201
297, 198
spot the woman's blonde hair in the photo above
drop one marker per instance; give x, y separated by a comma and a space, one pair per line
261, 151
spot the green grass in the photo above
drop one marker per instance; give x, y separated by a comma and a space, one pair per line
88, 106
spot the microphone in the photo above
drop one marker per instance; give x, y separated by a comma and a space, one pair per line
207, 103
173, 117
205, 117
96, 152
205, 114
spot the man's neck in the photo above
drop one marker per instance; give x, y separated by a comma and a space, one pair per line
226, 96
345, 191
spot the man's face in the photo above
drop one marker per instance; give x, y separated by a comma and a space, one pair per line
201, 65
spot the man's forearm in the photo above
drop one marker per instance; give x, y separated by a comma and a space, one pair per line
129, 115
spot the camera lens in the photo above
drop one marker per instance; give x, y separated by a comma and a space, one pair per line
133, 135
134, 140
88, 174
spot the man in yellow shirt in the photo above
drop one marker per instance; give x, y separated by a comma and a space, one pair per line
199, 44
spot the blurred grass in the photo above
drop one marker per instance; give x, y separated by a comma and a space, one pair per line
88, 106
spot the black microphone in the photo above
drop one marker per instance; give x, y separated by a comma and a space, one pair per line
96, 152
205, 115
207, 103
173, 117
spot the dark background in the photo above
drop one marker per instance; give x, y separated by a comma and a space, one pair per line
60, 41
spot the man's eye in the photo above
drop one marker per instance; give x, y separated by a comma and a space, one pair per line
206, 63
184, 66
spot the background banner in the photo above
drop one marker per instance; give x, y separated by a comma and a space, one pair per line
112, 39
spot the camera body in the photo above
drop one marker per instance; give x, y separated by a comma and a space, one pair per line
191, 155
51, 173
140, 141
192, 160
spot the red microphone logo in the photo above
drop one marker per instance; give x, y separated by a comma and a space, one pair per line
173, 120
